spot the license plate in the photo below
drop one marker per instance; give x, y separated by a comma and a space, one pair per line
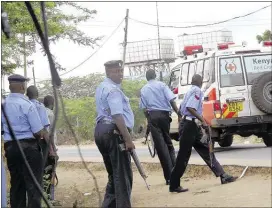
235, 106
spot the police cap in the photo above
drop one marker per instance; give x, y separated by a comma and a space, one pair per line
17, 78
115, 64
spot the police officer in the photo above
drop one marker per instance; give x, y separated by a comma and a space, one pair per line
27, 126
48, 102
190, 136
33, 94
114, 115
156, 100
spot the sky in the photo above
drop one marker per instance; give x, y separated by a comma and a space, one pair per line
110, 14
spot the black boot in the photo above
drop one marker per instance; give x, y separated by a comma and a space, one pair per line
225, 178
178, 190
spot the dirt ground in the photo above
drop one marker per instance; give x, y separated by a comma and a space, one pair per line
205, 190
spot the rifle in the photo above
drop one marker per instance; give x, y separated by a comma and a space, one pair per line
136, 161
208, 138
152, 154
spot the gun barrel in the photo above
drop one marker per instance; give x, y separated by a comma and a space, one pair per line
139, 166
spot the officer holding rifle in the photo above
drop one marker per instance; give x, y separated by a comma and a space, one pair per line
114, 123
190, 136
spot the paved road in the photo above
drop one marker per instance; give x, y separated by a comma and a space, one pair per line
238, 154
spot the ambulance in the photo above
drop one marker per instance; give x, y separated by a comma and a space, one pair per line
237, 86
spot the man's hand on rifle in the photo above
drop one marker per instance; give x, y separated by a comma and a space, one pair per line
129, 144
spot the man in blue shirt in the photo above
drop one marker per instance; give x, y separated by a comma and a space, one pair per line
190, 136
157, 100
114, 116
33, 94
27, 127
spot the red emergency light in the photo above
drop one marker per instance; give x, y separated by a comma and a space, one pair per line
267, 43
193, 49
224, 46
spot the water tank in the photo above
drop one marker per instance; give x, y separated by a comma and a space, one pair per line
206, 39
148, 50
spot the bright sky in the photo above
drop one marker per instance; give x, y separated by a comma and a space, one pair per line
110, 14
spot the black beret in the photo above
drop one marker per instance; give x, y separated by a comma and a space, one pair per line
115, 64
17, 78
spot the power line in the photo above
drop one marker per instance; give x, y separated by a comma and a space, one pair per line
95, 51
202, 25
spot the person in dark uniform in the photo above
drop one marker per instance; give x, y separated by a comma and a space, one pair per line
157, 100
114, 116
27, 126
190, 136
33, 94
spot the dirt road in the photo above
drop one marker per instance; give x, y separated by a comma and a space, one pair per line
253, 190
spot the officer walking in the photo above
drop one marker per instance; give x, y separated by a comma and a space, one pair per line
27, 126
33, 94
190, 136
156, 100
114, 116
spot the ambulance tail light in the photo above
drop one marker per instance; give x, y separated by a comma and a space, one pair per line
212, 94
175, 91
217, 109
267, 43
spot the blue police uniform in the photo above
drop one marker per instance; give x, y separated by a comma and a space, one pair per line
110, 101
190, 136
42, 113
25, 122
155, 98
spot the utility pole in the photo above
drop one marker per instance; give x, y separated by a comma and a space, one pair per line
34, 76
125, 38
159, 42
24, 41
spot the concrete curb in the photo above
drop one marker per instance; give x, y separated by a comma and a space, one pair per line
191, 171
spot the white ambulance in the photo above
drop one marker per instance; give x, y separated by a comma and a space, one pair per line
237, 86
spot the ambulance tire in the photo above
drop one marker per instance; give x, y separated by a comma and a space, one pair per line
261, 93
226, 141
267, 139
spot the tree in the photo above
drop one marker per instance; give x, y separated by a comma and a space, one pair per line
265, 36
60, 26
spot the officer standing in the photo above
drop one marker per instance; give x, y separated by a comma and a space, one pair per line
48, 102
33, 94
156, 100
190, 136
114, 115
27, 127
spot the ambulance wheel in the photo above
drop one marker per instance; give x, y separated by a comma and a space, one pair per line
261, 93
226, 141
267, 139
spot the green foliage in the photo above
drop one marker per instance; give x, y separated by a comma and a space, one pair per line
266, 36
60, 26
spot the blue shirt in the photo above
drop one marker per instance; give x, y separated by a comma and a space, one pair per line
22, 115
42, 112
156, 95
192, 99
110, 100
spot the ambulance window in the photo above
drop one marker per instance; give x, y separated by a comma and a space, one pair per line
199, 67
207, 69
231, 73
174, 79
184, 74
192, 71
257, 65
